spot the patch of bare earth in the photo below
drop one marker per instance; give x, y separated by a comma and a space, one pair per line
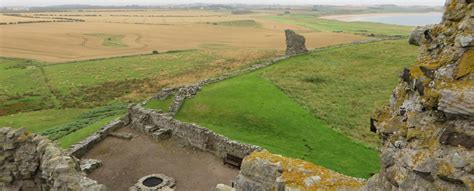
124, 162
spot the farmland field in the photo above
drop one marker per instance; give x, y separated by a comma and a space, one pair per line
85, 71
107, 34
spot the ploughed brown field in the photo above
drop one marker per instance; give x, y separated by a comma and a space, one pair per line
140, 32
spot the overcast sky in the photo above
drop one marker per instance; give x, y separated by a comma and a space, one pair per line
161, 2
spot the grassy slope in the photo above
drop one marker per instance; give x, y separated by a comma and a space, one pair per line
40, 120
344, 86
317, 24
251, 109
19, 76
341, 86
73, 138
85, 73
162, 105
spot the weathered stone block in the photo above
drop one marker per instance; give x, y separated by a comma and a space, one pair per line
295, 43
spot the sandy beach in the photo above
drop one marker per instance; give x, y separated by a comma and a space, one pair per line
361, 17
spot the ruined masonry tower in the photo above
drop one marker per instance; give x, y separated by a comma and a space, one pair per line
428, 128
295, 43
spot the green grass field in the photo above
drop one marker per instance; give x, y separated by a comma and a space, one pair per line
251, 109
66, 126
30, 85
38, 121
344, 86
79, 135
162, 105
290, 107
87, 73
365, 28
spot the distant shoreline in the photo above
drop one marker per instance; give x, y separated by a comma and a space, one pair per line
358, 17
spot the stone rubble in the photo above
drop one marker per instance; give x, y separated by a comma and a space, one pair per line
89, 165
126, 136
223, 187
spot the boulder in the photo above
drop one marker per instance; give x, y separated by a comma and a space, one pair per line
295, 43
418, 34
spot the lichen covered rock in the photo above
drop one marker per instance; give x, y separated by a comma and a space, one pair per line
265, 171
428, 128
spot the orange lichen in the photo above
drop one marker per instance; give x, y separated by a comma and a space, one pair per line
296, 171
445, 169
466, 65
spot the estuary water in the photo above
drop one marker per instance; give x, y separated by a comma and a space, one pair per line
407, 19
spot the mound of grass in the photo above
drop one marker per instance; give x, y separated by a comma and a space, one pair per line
324, 25
110, 40
251, 109
239, 23
344, 86
38, 121
79, 135
162, 105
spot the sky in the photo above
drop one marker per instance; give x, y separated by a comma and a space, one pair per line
162, 2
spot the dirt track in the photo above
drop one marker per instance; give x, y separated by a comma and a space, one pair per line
124, 162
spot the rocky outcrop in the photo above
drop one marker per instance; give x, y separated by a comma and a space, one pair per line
266, 171
31, 162
295, 43
417, 34
428, 128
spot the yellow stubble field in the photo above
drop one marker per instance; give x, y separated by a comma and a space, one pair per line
165, 30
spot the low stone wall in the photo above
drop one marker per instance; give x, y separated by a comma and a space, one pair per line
155, 124
32, 162
78, 150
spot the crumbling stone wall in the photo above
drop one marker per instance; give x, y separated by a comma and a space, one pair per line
295, 43
428, 128
80, 149
157, 124
31, 162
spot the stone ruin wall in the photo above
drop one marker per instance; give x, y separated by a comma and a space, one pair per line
428, 128
32, 162
80, 149
158, 125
